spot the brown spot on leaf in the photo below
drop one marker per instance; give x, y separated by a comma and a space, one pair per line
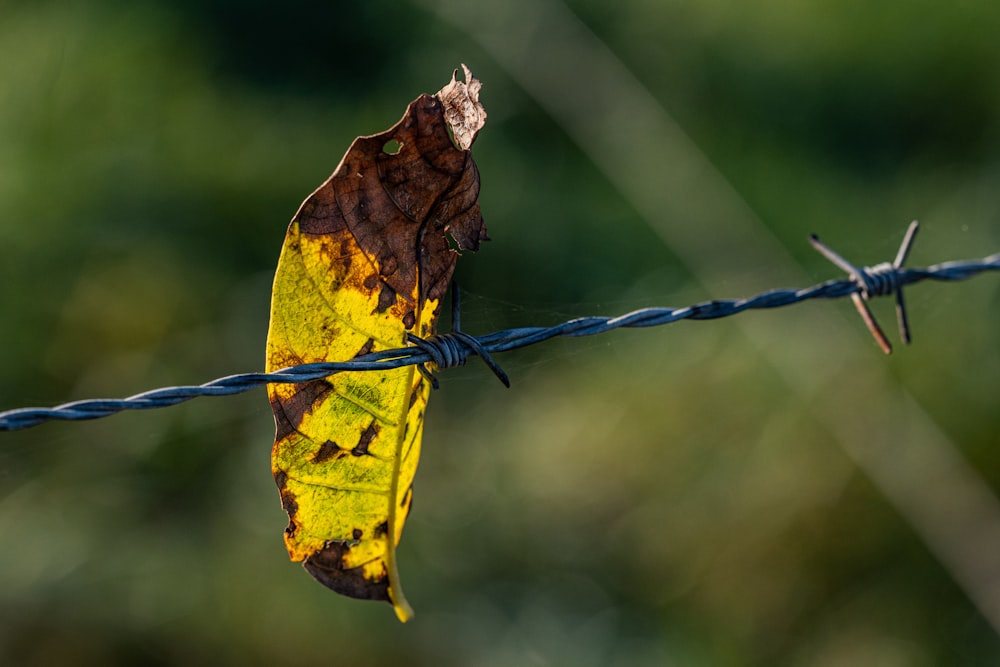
414, 393
283, 426
358, 533
288, 501
369, 434
409, 320
371, 280
327, 567
328, 450
291, 507
366, 348
289, 504
381, 530
288, 412
386, 297
346, 250
390, 266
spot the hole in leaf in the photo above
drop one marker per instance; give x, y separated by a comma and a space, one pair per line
392, 147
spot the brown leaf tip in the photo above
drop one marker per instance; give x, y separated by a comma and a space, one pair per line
462, 110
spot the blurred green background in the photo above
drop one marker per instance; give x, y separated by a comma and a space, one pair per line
761, 490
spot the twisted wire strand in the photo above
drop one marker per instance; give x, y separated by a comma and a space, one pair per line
449, 350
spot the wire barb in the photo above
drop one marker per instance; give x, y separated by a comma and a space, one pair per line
453, 348
879, 280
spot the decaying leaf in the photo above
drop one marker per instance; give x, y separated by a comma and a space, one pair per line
366, 260
462, 110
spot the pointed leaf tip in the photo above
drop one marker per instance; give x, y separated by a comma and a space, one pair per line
462, 109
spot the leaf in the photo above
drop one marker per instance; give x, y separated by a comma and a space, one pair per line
366, 260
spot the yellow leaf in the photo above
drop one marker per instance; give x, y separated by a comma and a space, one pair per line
366, 260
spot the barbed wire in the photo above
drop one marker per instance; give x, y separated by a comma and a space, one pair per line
454, 348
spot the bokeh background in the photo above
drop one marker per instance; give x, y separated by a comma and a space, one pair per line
761, 490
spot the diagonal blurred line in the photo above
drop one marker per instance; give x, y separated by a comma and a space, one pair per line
614, 119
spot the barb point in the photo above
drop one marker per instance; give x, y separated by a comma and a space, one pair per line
880, 280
